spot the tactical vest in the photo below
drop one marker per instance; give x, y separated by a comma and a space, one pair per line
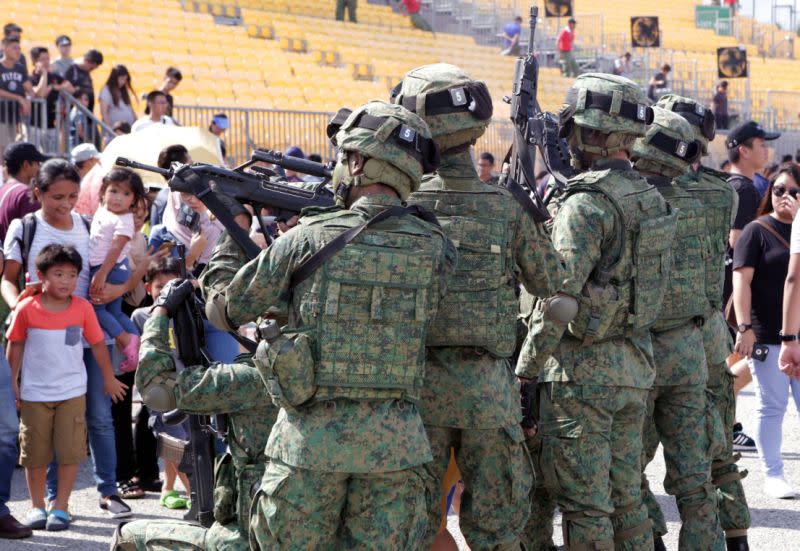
480, 307
625, 291
718, 198
684, 297
368, 307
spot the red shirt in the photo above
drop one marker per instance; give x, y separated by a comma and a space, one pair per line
564, 42
412, 6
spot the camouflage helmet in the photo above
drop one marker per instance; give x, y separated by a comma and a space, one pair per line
396, 144
457, 108
607, 103
699, 116
669, 146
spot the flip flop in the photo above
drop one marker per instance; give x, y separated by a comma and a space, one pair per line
173, 500
130, 490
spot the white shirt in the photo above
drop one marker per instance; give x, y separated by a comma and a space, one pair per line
105, 227
794, 242
147, 122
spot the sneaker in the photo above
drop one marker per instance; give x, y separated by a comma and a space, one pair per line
36, 519
742, 442
777, 487
57, 520
115, 507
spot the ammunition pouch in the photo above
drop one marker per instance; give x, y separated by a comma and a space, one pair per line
286, 365
224, 489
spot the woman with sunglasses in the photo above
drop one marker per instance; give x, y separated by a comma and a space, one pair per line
760, 265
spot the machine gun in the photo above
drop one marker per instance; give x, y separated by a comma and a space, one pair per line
260, 188
533, 128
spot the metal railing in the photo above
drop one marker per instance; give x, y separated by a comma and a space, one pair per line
31, 126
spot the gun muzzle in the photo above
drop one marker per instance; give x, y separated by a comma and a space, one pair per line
127, 163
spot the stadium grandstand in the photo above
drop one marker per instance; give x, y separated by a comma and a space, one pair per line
278, 67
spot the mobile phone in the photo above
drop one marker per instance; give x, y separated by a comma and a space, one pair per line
760, 352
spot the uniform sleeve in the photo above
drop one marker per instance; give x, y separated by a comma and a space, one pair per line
747, 253
124, 225
537, 265
19, 323
220, 388
91, 327
248, 289
155, 356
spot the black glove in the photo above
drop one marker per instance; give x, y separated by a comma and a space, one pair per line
174, 293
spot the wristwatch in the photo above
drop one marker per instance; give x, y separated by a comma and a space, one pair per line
744, 327
787, 338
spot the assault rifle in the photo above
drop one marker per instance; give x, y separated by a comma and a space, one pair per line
533, 128
260, 188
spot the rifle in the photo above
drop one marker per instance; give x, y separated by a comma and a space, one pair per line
527, 393
533, 128
198, 453
260, 188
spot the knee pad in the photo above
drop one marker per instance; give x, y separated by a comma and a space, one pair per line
708, 500
724, 472
599, 545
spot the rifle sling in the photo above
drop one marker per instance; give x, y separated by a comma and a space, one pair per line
539, 216
315, 261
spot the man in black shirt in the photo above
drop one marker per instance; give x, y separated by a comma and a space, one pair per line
15, 88
79, 74
46, 84
658, 82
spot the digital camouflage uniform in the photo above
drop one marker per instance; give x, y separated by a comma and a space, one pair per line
470, 401
721, 202
235, 389
676, 408
348, 448
614, 232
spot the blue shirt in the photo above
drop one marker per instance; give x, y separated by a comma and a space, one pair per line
511, 29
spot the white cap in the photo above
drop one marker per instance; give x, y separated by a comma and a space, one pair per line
84, 152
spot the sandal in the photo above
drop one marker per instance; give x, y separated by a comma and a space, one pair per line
173, 500
57, 520
36, 519
130, 490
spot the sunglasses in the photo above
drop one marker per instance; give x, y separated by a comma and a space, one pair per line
778, 191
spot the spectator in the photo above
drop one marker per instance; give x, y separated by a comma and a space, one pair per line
84, 156
64, 61
172, 78
760, 264
121, 128
14, 31
351, 10
116, 96
46, 84
45, 348
719, 103
623, 66
79, 74
172, 154
293, 151
761, 184
411, 8
220, 124
57, 186
511, 35
786, 158
565, 43
80, 130
161, 272
14, 87
659, 83
22, 161
725, 166
485, 168
157, 105
109, 245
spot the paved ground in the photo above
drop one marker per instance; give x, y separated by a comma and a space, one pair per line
775, 522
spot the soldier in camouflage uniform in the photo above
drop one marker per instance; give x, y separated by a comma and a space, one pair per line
614, 232
470, 401
720, 201
676, 407
235, 389
348, 448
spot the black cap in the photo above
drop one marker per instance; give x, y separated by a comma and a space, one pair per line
571, 20
744, 132
17, 152
63, 40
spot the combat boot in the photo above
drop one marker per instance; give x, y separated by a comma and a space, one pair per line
658, 544
738, 543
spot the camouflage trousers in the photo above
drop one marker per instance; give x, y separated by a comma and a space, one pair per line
591, 463
677, 416
497, 475
174, 535
734, 514
300, 509
538, 533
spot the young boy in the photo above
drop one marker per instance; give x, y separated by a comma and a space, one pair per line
159, 273
44, 345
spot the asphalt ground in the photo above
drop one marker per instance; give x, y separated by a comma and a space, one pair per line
776, 522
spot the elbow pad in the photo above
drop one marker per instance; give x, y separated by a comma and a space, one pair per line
561, 308
159, 394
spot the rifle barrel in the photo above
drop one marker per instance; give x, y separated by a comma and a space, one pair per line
122, 161
292, 163
532, 23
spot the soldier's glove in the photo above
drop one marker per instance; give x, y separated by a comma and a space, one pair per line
174, 293
234, 206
